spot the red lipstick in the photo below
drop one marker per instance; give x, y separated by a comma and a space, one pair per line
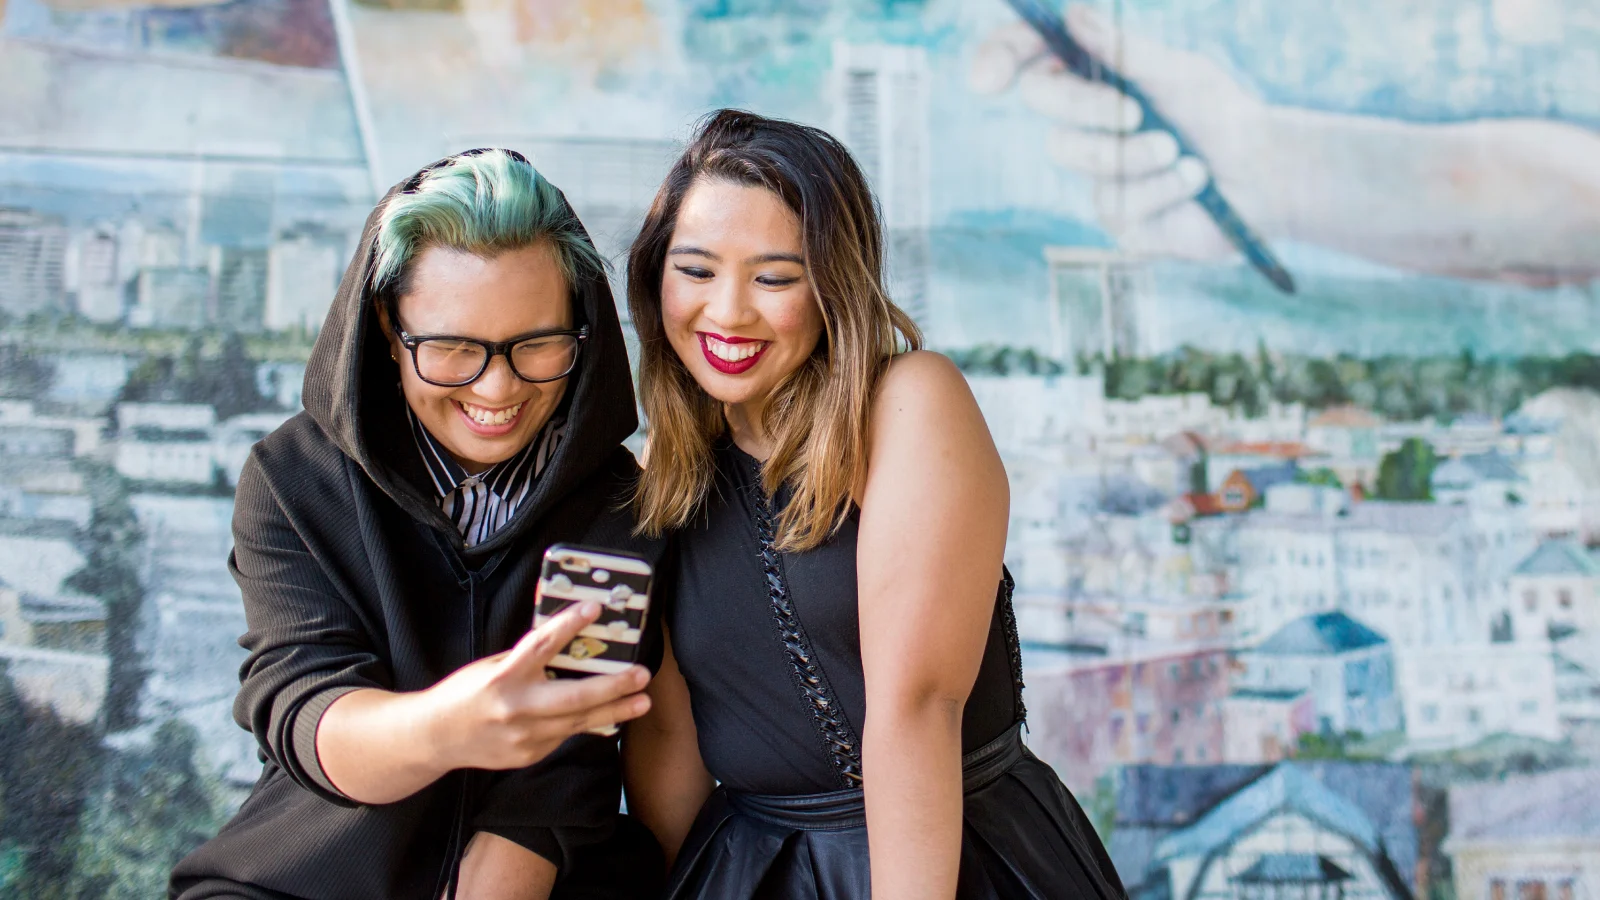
724, 366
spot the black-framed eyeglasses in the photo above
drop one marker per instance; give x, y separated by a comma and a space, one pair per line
447, 360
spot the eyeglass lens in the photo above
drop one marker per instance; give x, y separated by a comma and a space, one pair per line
458, 362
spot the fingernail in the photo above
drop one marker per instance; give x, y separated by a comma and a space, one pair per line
1192, 171
589, 609
641, 676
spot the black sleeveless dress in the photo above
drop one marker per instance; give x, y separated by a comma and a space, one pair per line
769, 645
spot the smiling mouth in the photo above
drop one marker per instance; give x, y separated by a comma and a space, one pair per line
489, 418
731, 356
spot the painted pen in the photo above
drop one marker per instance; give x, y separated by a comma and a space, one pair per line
1083, 64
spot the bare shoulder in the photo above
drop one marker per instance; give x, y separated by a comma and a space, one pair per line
925, 417
920, 384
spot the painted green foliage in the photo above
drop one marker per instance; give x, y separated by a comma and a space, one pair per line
1406, 473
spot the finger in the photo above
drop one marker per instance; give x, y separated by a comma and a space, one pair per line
539, 645
600, 719
1001, 56
1050, 90
577, 696
1125, 204
1122, 156
1184, 232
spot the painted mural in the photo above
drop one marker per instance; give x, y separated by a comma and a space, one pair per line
1285, 315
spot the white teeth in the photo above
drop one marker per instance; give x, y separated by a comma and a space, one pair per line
489, 417
734, 352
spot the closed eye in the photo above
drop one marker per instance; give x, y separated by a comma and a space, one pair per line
776, 280
695, 272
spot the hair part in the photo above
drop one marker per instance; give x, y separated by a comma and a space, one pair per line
817, 417
485, 203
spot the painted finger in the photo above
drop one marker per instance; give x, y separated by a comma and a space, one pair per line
1050, 90
1119, 156
1123, 205
1001, 56
1183, 232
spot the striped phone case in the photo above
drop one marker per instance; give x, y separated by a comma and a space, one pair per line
619, 582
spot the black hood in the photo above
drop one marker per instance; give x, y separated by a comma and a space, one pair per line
351, 391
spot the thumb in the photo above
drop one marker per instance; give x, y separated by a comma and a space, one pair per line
1002, 56
538, 646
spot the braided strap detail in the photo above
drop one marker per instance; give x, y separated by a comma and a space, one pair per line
838, 738
1008, 624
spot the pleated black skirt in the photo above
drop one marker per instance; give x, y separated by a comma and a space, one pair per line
1025, 838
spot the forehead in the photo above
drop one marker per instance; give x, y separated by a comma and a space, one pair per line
453, 291
725, 214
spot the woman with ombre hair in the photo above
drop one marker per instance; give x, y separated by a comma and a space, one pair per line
841, 651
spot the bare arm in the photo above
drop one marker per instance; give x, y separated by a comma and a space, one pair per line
500, 712
665, 778
932, 536
494, 868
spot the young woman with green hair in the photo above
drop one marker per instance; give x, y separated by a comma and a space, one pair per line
466, 404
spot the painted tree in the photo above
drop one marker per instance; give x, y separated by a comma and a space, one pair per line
1407, 473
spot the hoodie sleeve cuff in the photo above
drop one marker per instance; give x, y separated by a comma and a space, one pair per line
304, 741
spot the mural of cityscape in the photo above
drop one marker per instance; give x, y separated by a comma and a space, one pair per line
1308, 580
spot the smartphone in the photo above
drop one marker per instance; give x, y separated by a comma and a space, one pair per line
619, 582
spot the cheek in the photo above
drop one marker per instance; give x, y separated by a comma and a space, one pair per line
422, 397
797, 320
678, 308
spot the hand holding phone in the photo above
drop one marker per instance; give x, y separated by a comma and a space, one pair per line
620, 583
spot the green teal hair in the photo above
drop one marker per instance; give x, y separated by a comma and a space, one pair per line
483, 203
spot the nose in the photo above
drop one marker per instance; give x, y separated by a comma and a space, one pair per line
498, 384
728, 307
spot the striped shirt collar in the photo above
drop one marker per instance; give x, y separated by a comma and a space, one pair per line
482, 504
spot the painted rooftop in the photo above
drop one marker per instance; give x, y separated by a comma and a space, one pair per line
1560, 804
1322, 634
1287, 788
1558, 558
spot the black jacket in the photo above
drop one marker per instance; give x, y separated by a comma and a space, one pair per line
353, 578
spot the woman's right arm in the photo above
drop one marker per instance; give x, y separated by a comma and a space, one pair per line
665, 778
316, 691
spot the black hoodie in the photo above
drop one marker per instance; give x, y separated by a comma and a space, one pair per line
353, 578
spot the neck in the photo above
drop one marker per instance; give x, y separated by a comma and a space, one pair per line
744, 425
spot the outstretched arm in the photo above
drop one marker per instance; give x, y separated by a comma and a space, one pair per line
932, 535
1507, 199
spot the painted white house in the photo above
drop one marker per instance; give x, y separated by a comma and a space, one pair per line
1347, 668
1284, 835
1457, 696
1527, 837
1553, 591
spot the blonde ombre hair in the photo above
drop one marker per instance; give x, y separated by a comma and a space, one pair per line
818, 416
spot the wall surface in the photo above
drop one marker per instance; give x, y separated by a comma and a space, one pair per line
1250, 500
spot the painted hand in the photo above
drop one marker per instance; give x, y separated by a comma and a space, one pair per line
1143, 188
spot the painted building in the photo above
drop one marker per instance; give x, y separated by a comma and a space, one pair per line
1554, 591
1347, 668
1457, 696
1301, 830
1421, 574
1528, 837
1264, 725
1109, 703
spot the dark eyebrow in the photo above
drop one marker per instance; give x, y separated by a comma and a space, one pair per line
776, 257
694, 251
